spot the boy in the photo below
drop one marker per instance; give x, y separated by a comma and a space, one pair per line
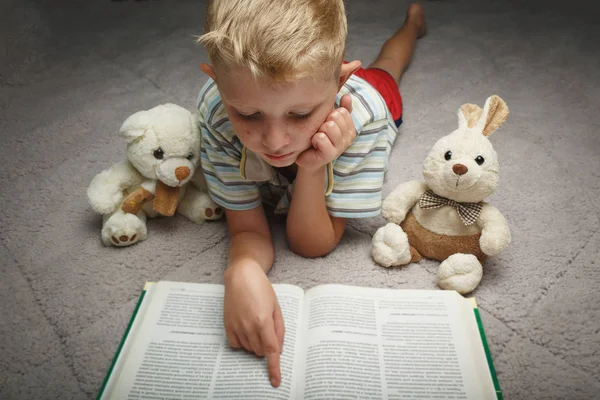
285, 121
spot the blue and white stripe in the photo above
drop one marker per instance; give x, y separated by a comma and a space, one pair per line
358, 173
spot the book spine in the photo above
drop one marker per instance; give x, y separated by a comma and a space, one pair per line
488, 354
116, 357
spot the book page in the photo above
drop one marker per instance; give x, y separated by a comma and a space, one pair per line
391, 344
181, 351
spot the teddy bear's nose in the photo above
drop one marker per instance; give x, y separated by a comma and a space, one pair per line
181, 173
460, 169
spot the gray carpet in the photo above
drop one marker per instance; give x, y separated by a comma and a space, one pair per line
72, 71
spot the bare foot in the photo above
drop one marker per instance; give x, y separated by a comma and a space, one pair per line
396, 53
415, 16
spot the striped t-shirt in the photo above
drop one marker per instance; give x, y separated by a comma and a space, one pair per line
240, 180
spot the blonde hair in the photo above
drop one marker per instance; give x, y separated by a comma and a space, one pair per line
280, 40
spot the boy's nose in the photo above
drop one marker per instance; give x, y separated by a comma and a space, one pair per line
276, 138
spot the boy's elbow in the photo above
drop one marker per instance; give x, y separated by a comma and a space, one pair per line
316, 243
311, 250
313, 246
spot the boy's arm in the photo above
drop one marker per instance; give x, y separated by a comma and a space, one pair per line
250, 238
316, 223
311, 231
252, 315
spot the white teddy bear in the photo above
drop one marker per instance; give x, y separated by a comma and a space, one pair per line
445, 218
163, 165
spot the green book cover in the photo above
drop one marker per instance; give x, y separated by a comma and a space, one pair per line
115, 358
488, 354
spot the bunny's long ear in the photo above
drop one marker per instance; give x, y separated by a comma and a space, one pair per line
468, 115
493, 116
135, 126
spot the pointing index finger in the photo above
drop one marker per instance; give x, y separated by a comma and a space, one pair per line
271, 345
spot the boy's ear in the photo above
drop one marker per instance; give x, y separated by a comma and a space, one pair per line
347, 70
208, 70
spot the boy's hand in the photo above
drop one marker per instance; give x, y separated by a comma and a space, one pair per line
252, 315
333, 138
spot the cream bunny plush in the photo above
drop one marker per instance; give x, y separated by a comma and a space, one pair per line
445, 217
162, 174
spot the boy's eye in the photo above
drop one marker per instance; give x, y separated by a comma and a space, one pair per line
249, 116
302, 116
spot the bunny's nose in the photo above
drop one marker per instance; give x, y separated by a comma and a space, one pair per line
181, 173
460, 169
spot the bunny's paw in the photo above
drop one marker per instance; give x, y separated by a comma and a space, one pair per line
390, 246
460, 272
492, 245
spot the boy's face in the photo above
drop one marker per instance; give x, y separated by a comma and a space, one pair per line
276, 123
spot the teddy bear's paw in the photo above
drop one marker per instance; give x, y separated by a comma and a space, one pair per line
198, 207
213, 212
390, 246
123, 229
105, 202
460, 272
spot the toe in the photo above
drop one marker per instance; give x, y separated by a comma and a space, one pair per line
415, 15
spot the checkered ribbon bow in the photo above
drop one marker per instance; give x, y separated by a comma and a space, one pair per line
468, 212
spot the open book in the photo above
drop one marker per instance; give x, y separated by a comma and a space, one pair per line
340, 342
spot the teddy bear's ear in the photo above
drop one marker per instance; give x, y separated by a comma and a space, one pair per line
468, 115
493, 116
195, 120
135, 126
